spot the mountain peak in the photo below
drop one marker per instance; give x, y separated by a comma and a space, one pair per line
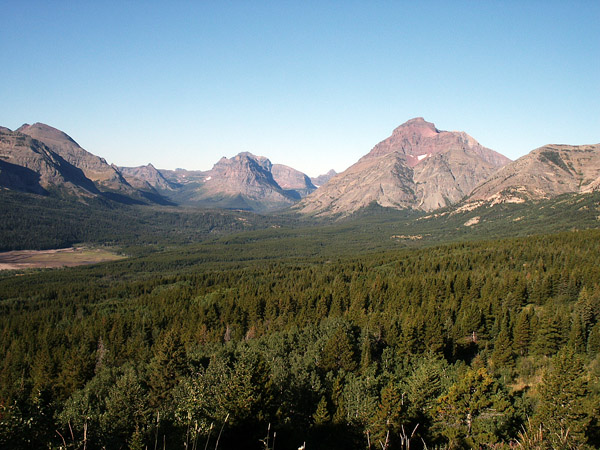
418, 125
418, 167
42, 132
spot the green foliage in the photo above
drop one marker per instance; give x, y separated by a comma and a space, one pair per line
564, 405
231, 335
474, 412
321, 415
338, 353
389, 415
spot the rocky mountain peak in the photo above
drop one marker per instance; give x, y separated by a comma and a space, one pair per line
262, 161
244, 161
94, 168
418, 167
418, 126
43, 132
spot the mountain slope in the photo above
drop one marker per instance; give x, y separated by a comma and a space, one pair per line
418, 167
28, 165
545, 172
292, 180
39, 159
147, 177
322, 179
94, 168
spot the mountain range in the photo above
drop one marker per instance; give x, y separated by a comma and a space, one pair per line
418, 167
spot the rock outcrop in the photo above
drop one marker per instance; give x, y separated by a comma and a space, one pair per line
28, 165
144, 177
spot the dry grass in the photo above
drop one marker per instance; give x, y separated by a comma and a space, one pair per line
64, 257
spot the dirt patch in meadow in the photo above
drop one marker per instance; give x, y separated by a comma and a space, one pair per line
45, 259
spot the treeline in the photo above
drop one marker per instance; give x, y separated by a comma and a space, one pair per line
473, 345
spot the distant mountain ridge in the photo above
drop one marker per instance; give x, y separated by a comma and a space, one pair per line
147, 175
322, 179
418, 167
245, 181
40, 159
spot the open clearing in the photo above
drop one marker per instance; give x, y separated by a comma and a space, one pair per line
64, 257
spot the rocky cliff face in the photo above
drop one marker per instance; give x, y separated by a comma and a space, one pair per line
39, 159
418, 167
543, 173
292, 180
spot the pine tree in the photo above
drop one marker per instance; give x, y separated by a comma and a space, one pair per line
389, 415
473, 411
338, 352
563, 390
577, 339
549, 337
593, 342
503, 356
522, 333
321, 415
166, 367
424, 386
365, 351
337, 395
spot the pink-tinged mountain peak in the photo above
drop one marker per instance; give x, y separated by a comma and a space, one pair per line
418, 126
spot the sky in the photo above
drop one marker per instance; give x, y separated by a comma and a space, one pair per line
310, 84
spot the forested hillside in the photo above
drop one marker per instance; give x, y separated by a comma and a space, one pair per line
488, 344
35, 222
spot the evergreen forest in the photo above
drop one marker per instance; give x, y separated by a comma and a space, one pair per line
270, 336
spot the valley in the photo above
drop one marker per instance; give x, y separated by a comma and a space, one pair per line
433, 287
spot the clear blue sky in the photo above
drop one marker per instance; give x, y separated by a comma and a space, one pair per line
311, 84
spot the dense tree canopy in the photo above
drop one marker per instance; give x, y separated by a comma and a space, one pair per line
463, 345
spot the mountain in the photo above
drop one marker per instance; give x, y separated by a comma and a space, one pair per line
28, 165
94, 168
543, 173
417, 167
322, 179
38, 158
292, 180
147, 176
242, 182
